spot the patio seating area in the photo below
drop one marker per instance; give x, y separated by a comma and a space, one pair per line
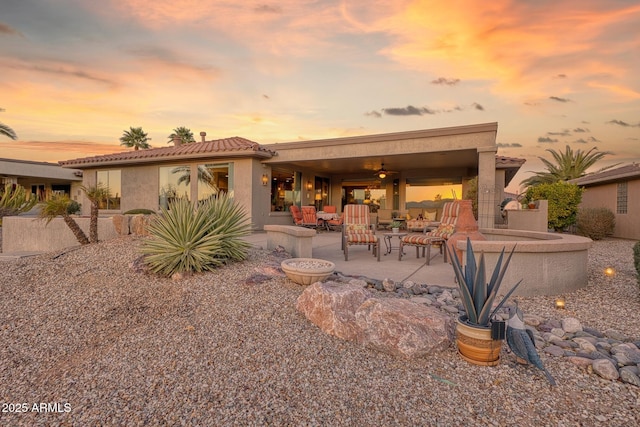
328, 246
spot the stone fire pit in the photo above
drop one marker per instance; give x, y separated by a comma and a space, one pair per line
305, 271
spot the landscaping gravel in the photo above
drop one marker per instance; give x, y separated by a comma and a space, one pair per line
85, 339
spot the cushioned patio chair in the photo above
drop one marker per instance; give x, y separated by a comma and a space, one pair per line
357, 230
309, 218
446, 228
296, 214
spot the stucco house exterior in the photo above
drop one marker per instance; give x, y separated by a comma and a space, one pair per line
41, 178
618, 190
267, 178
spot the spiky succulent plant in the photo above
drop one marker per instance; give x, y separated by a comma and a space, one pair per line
477, 294
192, 238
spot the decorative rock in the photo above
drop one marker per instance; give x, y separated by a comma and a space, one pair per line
593, 332
605, 369
121, 224
532, 320
585, 345
616, 335
559, 332
418, 289
139, 225
571, 325
402, 328
554, 350
421, 300
408, 284
358, 282
435, 289
629, 377
332, 307
450, 309
389, 285
581, 362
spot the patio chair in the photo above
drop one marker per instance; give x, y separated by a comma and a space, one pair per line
296, 214
330, 209
385, 217
357, 230
309, 218
446, 228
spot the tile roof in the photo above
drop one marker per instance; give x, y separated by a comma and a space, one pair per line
609, 175
227, 147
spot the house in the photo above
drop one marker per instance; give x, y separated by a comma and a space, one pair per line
41, 178
619, 191
390, 169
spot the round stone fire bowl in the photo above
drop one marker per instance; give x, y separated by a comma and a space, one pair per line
305, 271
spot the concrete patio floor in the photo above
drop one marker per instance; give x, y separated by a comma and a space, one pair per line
326, 245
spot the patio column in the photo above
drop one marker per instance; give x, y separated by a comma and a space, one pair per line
486, 186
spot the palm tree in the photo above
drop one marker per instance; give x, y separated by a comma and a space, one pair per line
59, 205
185, 135
95, 195
568, 165
6, 130
136, 138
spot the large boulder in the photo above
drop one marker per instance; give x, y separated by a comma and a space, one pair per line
332, 306
139, 225
404, 328
121, 224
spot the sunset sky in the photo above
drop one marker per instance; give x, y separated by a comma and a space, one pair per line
77, 73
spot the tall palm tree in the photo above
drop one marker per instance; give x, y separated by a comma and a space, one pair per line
95, 194
185, 135
59, 206
568, 165
6, 130
136, 138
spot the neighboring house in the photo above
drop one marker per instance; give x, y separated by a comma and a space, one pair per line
42, 179
618, 190
267, 179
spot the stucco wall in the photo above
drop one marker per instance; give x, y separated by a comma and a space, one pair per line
605, 195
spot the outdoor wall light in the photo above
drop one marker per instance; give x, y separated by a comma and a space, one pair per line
265, 179
609, 272
560, 303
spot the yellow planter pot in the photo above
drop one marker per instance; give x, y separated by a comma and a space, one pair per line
475, 344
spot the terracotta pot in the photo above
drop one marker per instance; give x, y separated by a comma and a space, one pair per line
475, 344
466, 226
306, 271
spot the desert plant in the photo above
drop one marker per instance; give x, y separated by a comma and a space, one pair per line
472, 194
60, 205
396, 224
184, 133
476, 293
563, 198
15, 200
194, 238
136, 138
595, 223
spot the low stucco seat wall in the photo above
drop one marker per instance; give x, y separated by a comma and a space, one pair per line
547, 263
29, 234
295, 240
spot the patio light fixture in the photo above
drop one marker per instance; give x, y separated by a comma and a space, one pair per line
309, 185
560, 303
265, 179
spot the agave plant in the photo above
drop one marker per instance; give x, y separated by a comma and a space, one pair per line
477, 294
194, 238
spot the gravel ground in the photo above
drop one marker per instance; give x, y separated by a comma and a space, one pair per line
99, 344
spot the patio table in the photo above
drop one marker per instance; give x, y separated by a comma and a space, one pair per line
387, 240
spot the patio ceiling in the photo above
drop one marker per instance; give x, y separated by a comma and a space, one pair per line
367, 166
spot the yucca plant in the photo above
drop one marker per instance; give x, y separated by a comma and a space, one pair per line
192, 238
15, 200
477, 294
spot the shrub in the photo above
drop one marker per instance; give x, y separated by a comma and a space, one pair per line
563, 198
139, 211
596, 223
195, 238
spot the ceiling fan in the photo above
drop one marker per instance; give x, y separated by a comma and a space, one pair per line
382, 172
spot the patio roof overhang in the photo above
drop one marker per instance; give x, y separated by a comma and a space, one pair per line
438, 152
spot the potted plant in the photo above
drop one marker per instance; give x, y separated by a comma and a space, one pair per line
395, 226
476, 342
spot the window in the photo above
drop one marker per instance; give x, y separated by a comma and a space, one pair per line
285, 189
111, 180
432, 192
214, 178
174, 183
621, 202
